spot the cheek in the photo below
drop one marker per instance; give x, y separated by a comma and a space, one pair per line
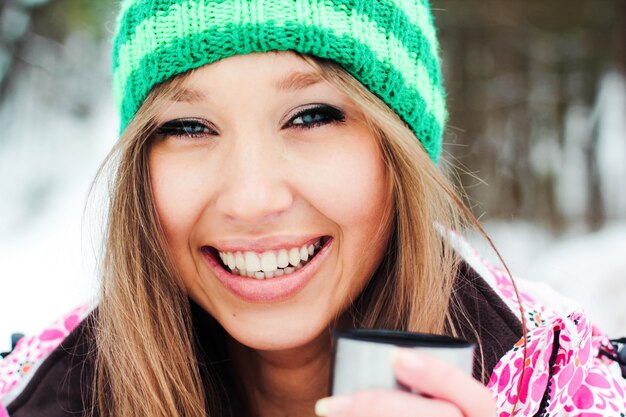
176, 198
354, 195
351, 185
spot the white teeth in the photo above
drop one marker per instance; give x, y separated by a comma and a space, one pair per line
268, 262
240, 260
253, 263
294, 256
230, 260
283, 258
304, 254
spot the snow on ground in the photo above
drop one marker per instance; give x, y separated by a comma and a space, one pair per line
47, 264
47, 269
589, 268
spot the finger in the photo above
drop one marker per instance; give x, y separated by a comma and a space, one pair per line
377, 403
436, 378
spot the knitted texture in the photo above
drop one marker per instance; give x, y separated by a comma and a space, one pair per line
390, 46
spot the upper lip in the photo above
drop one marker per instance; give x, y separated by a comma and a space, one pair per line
265, 243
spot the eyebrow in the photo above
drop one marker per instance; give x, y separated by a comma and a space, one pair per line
298, 81
295, 81
189, 96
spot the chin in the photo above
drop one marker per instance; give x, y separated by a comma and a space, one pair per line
267, 336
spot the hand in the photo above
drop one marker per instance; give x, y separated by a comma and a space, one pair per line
440, 390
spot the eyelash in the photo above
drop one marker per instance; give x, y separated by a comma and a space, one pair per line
195, 128
181, 128
329, 115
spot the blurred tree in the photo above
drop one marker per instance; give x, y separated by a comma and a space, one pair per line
53, 83
522, 78
55, 20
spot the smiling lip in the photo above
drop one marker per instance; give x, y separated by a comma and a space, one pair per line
269, 289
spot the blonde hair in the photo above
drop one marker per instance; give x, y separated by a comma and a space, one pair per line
144, 308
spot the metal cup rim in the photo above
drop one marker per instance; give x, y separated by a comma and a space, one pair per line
402, 338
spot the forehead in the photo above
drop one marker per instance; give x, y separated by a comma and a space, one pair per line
273, 72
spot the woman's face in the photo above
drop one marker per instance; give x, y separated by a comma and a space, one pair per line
272, 192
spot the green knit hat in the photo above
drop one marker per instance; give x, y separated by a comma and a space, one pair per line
390, 46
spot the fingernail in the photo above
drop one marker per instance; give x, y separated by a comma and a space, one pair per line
407, 358
332, 405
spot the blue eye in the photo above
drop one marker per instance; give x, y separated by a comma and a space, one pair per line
316, 116
192, 128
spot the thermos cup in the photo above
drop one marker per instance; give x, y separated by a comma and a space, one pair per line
362, 358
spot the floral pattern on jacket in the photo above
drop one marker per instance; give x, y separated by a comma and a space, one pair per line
562, 372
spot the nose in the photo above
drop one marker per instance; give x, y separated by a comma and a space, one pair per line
255, 187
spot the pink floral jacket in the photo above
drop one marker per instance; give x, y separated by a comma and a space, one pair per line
564, 372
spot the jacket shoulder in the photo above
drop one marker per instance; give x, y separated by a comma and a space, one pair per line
35, 372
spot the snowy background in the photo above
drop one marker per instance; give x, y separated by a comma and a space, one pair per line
568, 229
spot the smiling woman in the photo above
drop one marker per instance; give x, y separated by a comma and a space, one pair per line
239, 168
276, 179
